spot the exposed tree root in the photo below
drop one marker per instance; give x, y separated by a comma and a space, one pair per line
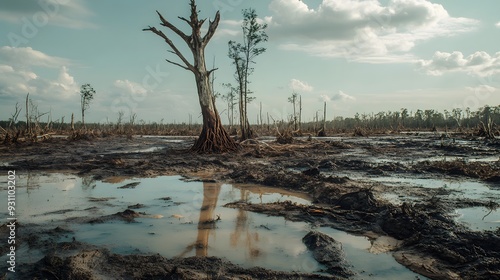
214, 139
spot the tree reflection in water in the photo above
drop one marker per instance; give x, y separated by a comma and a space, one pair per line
208, 219
241, 228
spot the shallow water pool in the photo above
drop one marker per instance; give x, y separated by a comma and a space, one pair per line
182, 219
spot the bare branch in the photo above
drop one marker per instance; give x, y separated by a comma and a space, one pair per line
174, 48
187, 21
176, 30
211, 29
175, 63
201, 22
210, 72
194, 11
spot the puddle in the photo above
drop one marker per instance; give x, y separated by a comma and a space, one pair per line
478, 218
362, 149
462, 188
168, 139
381, 266
135, 151
176, 227
147, 150
187, 219
485, 159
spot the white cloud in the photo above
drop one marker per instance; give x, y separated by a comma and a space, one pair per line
232, 23
483, 89
65, 85
362, 30
342, 96
130, 87
222, 32
17, 77
69, 14
300, 86
497, 24
13, 81
26, 57
479, 63
232, 28
20, 82
125, 96
325, 98
131, 97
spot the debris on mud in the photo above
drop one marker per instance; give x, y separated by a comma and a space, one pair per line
130, 185
126, 216
432, 243
100, 199
327, 251
360, 200
311, 172
101, 264
481, 170
136, 206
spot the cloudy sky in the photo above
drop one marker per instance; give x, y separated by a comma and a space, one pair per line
359, 56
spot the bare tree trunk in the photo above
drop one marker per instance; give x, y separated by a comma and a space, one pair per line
83, 113
260, 114
242, 115
268, 127
28, 125
324, 117
322, 131
300, 112
229, 116
294, 98
62, 124
246, 132
213, 137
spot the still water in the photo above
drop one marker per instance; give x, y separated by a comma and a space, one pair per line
182, 219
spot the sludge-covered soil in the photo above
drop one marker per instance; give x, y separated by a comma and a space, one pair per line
342, 175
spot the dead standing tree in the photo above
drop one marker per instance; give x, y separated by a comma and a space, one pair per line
213, 137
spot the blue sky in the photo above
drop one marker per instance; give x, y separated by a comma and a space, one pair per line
358, 56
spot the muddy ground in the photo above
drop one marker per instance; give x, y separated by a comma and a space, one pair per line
432, 243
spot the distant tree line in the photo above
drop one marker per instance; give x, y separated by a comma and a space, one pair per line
487, 117
456, 119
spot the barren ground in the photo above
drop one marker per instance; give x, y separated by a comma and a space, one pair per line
333, 171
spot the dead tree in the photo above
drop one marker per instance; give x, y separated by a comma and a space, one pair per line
322, 131
15, 115
28, 125
213, 137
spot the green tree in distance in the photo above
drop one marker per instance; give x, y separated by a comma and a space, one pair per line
242, 56
86, 95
